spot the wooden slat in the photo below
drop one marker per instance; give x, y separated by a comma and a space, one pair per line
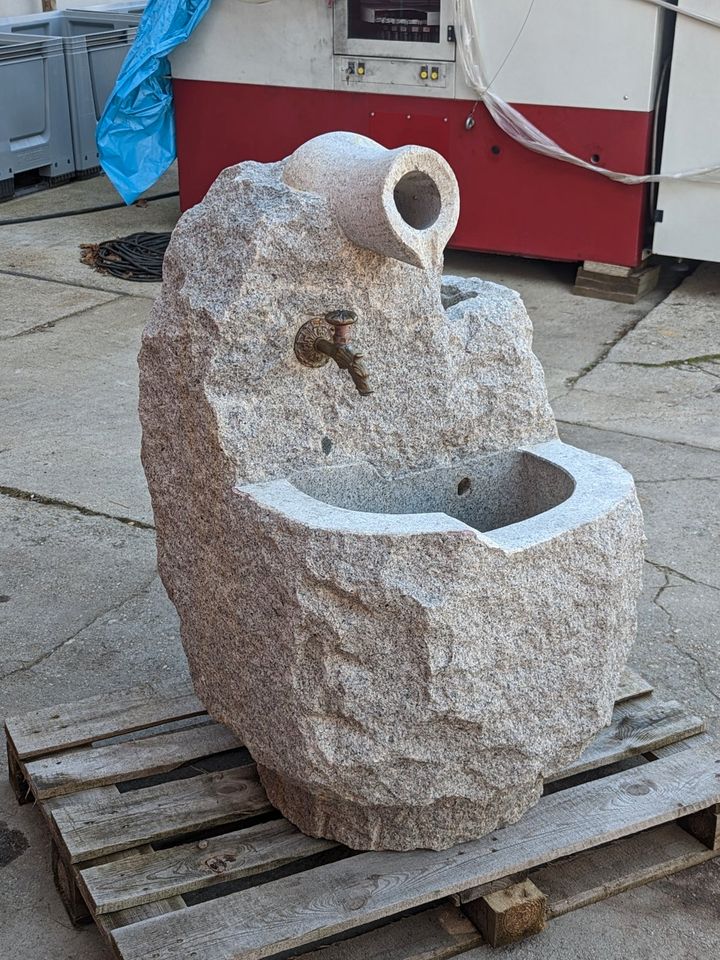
97, 718
297, 910
73, 770
595, 875
637, 727
632, 685
691, 743
158, 874
154, 813
146, 911
436, 934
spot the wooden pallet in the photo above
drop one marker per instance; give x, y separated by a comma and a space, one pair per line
162, 835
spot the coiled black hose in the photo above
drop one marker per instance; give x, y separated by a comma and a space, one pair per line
137, 257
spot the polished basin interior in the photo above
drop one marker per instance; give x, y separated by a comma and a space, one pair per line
486, 493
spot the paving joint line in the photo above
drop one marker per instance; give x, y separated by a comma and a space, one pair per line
70, 283
636, 436
16, 493
50, 324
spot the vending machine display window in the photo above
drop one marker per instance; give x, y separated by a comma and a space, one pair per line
407, 21
408, 29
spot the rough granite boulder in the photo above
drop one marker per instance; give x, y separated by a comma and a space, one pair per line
413, 605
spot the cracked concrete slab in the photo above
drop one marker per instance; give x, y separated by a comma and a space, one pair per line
662, 379
50, 249
80, 596
677, 642
34, 305
69, 398
571, 332
679, 609
667, 403
680, 330
679, 491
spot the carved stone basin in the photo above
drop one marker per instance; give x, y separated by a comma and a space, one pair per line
411, 604
495, 490
424, 638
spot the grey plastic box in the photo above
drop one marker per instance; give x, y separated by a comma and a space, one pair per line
94, 45
35, 129
135, 8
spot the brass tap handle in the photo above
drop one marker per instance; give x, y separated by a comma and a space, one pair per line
341, 321
328, 337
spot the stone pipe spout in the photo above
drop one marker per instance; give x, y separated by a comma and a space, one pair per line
401, 203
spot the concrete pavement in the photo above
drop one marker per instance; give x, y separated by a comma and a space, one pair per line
82, 610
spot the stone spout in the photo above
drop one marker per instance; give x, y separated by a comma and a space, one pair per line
400, 203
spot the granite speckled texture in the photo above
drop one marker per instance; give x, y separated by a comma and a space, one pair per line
410, 605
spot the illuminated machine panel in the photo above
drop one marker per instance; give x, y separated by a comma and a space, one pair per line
412, 29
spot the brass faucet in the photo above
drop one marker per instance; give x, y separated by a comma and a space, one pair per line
328, 337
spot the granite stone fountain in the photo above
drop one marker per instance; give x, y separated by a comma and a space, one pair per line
404, 593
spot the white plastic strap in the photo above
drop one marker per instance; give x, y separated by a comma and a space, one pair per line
520, 129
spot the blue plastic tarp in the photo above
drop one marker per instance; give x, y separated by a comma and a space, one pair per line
136, 133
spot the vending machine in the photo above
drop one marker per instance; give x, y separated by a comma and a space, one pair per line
258, 79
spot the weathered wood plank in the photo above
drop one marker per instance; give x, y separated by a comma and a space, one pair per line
73, 770
436, 934
97, 718
297, 910
637, 727
155, 813
158, 874
16, 776
632, 685
146, 911
595, 875
65, 880
680, 746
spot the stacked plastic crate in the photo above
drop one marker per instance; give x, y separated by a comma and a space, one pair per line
56, 73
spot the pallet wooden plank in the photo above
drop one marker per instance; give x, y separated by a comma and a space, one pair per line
144, 911
436, 934
97, 718
158, 874
155, 813
297, 910
597, 874
637, 727
680, 746
632, 685
73, 770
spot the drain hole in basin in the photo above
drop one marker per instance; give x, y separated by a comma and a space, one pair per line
417, 199
464, 486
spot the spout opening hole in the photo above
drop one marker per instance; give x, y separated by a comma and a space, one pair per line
417, 199
464, 486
